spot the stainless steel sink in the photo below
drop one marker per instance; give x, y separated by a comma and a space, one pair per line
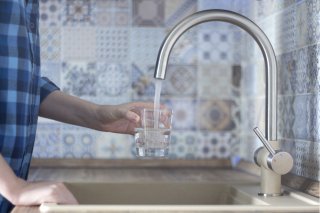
182, 196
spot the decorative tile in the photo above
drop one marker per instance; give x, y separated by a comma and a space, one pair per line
78, 43
113, 44
79, 78
181, 80
217, 4
50, 12
113, 13
78, 142
215, 45
52, 71
113, 79
184, 145
215, 115
48, 141
145, 44
306, 111
79, 13
148, 13
184, 50
176, 10
301, 107
264, 8
114, 146
307, 23
287, 64
306, 157
142, 83
302, 24
286, 116
249, 144
252, 114
183, 113
50, 43
214, 81
214, 145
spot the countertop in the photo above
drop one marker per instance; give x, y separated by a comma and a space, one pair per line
112, 175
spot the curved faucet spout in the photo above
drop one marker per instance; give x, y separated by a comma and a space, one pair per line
250, 27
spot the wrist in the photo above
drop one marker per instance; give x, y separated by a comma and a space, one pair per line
15, 188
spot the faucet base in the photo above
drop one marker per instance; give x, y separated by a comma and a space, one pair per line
271, 195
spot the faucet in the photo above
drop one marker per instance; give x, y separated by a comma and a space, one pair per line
272, 161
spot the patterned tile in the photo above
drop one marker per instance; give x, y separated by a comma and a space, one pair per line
48, 141
144, 45
249, 144
214, 145
286, 116
114, 146
185, 49
113, 13
300, 107
285, 30
52, 71
307, 23
216, 115
252, 114
113, 44
217, 4
181, 80
50, 41
142, 82
306, 157
264, 8
78, 142
215, 44
183, 113
176, 10
112, 79
50, 12
214, 81
287, 64
148, 13
306, 111
78, 13
79, 78
78, 43
184, 145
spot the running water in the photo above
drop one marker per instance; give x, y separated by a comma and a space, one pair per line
158, 85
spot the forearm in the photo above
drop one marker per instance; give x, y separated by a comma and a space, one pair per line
69, 109
9, 182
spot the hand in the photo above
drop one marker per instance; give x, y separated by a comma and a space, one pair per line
123, 118
35, 193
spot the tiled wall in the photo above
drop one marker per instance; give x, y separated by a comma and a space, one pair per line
105, 51
293, 28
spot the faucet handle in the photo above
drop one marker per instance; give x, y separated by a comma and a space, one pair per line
264, 141
278, 161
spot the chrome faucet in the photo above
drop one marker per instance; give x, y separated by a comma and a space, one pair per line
271, 180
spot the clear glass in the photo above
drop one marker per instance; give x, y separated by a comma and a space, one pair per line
153, 138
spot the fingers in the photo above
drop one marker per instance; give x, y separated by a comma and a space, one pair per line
132, 116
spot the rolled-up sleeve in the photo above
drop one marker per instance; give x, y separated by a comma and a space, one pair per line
46, 87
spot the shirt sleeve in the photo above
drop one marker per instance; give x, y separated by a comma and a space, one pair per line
46, 87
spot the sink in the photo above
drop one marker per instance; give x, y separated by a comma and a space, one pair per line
181, 196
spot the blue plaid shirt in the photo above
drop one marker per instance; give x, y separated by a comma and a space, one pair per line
21, 87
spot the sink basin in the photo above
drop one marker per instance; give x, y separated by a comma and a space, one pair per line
182, 196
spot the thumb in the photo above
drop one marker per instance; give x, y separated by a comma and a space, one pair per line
131, 116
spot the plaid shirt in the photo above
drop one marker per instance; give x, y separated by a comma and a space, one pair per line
21, 87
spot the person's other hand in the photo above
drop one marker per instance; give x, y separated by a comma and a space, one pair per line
36, 193
123, 118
